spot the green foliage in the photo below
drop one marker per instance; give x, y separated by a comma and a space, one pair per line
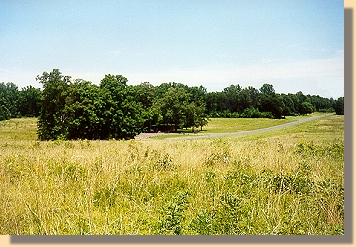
51, 123
29, 102
339, 106
306, 108
9, 96
122, 113
273, 103
235, 101
4, 112
79, 109
255, 113
172, 105
291, 183
105, 197
173, 214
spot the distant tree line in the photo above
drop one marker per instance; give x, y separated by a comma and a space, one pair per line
78, 109
235, 101
16, 103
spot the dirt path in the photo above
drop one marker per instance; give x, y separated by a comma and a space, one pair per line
251, 131
146, 136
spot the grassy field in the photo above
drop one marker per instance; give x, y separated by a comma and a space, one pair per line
228, 125
287, 181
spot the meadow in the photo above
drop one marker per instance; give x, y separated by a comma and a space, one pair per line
230, 125
280, 182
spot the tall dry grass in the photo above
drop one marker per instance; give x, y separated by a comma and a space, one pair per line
280, 182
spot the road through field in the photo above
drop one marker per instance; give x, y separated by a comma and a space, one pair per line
251, 131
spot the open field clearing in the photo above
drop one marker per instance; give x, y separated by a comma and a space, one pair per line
234, 125
226, 125
286, 181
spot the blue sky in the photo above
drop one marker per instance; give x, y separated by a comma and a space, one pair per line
293, 45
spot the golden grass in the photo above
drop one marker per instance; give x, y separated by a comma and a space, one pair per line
288, 181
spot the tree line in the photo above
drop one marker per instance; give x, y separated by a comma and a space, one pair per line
235, 101
16, 103
79, 109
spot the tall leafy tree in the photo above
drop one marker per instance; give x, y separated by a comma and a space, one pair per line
121, 110
339, 106
29, 101
270, 101
4, 103
232, 97
51, 122
173, 106
245, 100
289, 108
9, 95
145, 95
306, 108
267, 89
82, 120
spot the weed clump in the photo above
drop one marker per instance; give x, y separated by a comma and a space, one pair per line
105, 197
310, 149
164, 163
173, 214
292, 183
221, 154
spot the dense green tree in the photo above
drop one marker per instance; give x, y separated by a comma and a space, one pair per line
253, 94
163, 88
122, 113
306, 108
180, 106
321, 104
82, 120
29, 101
270, 101
4, 111
173, 106
9, 96
273, 104
289, 108
197, 93
194, 116
245, 100
339, 106
232, 97
15, 103
4, 102
52, 119
215, 103
267, 89
145, 93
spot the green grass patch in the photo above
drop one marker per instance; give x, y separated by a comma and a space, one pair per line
18, 129
227, 125
230, 125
